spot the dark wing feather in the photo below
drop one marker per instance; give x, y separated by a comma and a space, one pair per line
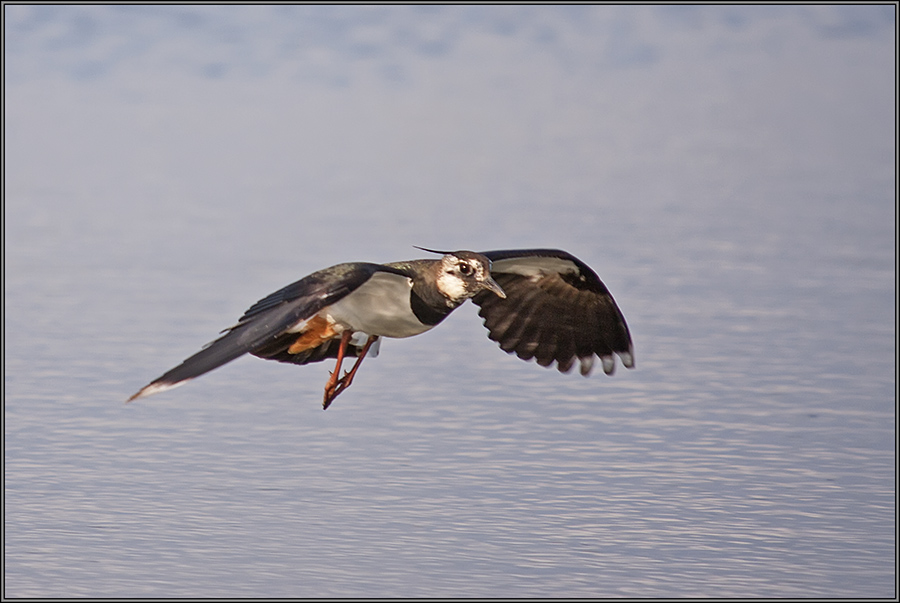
556, 309
264, 323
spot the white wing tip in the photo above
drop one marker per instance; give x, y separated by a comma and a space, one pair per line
608, 362
155, 388
587, 363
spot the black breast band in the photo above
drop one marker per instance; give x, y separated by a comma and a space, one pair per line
429, 315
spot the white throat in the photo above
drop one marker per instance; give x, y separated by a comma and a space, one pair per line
453, 287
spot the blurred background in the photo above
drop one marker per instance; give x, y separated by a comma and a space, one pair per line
729, 172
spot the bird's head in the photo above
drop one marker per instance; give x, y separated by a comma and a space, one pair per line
464, 274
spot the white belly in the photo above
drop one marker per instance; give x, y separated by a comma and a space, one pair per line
379, 307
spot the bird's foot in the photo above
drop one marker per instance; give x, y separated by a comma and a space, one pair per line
335, 386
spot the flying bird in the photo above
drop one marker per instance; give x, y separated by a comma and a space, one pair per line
544, 304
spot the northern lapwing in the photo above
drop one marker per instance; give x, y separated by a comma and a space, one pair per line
544, 304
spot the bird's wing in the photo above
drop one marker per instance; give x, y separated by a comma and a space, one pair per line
556, 308
268, 318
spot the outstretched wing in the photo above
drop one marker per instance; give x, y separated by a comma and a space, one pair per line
556, 309
267, 320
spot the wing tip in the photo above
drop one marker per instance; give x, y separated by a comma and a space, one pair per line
608, 362
627, 358
155, 388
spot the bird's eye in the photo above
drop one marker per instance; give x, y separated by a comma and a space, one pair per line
465, 269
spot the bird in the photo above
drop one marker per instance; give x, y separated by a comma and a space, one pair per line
541, 304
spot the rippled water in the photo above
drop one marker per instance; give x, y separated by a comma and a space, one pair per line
750, 453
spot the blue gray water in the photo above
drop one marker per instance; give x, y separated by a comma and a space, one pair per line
729, 172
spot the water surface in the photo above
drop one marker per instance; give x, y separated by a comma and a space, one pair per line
728, 172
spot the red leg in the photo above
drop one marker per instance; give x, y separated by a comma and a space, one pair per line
331, 384
336, 386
